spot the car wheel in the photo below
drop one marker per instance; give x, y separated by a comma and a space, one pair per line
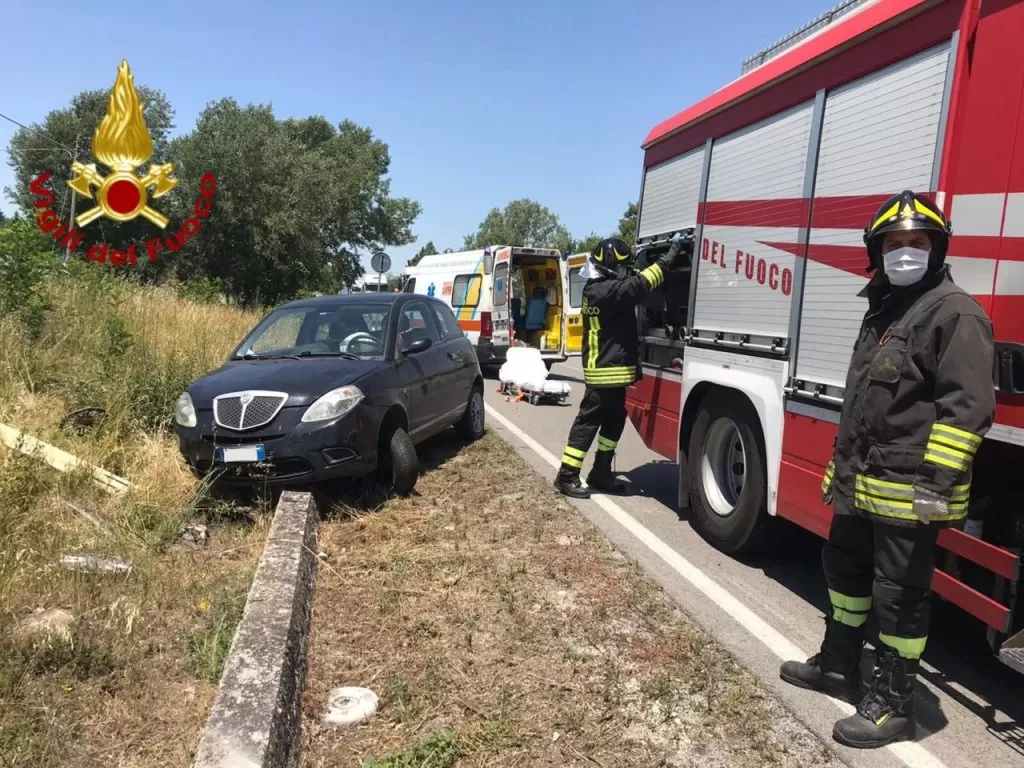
728, 499
399, 463
471, 426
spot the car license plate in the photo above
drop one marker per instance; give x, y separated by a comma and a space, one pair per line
241, 453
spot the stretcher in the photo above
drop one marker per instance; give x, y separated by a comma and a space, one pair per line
552, 392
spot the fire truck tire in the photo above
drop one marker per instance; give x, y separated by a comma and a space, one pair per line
728, 487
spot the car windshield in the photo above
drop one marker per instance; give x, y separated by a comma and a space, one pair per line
344, 329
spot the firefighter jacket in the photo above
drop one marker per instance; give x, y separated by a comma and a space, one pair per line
919, 399
611, 353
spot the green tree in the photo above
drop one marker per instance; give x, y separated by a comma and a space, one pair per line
627, 225
68, 131
297, 200
522, 222
3, 219
427, 250
586, 244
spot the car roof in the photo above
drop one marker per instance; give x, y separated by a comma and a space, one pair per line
356, 299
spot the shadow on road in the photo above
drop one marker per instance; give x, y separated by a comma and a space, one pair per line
967, 672
566, 377
657, 480
356, 496
965, 669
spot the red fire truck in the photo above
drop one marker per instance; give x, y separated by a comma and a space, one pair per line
778, 173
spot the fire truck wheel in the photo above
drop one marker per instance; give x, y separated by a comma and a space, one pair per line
728, 491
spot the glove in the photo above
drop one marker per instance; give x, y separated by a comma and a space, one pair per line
677, 237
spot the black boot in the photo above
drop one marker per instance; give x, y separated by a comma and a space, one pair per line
835, 669
601, 477
886, 713
567, 482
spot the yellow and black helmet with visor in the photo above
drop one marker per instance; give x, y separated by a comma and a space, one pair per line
613, 256
904, 212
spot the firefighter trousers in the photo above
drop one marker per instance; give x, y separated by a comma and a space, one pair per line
603, 415
888, 567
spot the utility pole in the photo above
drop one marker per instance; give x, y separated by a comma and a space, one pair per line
71, 222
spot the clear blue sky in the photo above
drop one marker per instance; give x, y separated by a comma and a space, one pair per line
480, 102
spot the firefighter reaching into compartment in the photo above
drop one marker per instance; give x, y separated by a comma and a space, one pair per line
610, 357
919, 399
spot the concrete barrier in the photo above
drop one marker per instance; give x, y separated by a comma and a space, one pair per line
61, 460
255, 718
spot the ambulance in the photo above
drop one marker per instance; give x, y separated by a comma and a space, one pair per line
502, 296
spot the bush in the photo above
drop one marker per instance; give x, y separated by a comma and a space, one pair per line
202, 290
27, 257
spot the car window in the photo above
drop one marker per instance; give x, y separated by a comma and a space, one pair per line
466, 290
320, 330
576, 283
446, 321
501, 285
347, 321
280, 333
417, 324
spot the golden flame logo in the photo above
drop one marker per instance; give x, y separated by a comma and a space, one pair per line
122, 143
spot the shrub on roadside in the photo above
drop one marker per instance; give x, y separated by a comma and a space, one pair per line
26, 259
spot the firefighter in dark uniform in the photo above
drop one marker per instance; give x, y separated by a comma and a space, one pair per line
919, 399
610, 358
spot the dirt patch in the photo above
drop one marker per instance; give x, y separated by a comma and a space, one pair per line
500, 628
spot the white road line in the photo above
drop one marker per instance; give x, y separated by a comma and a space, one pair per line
910, 754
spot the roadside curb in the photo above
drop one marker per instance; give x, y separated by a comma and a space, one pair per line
254, 722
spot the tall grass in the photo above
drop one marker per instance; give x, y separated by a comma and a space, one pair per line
138, 640
127, 349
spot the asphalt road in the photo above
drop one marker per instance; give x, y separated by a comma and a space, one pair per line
971, 707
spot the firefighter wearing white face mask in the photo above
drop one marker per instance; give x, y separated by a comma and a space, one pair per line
919, 399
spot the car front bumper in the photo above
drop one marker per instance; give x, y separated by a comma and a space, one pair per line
296, 452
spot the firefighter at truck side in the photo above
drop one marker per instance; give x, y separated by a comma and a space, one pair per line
610, 357
919, 399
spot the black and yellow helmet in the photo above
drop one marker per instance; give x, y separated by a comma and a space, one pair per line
612, 256
908, 211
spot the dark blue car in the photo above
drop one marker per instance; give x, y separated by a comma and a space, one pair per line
333, 387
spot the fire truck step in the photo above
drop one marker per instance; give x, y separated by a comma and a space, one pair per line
1012, 652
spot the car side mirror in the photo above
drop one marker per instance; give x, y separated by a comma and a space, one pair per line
417, 346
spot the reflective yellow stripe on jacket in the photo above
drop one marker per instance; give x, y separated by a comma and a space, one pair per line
826, 480
616, 375
653, 276
951, 447
888, 499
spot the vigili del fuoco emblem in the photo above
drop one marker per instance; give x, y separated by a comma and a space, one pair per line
122, 143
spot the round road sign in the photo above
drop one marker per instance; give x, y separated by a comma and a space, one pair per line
380, 262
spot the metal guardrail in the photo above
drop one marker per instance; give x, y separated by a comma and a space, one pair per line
794, 38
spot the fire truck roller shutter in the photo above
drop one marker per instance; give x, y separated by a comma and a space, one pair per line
671, 194
744, 284
879, 137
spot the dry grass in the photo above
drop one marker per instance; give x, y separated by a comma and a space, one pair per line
500, 628
132, 682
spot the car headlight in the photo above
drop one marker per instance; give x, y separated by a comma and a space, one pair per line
185, 411
334, 404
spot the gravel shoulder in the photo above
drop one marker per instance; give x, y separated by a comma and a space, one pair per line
500, 628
